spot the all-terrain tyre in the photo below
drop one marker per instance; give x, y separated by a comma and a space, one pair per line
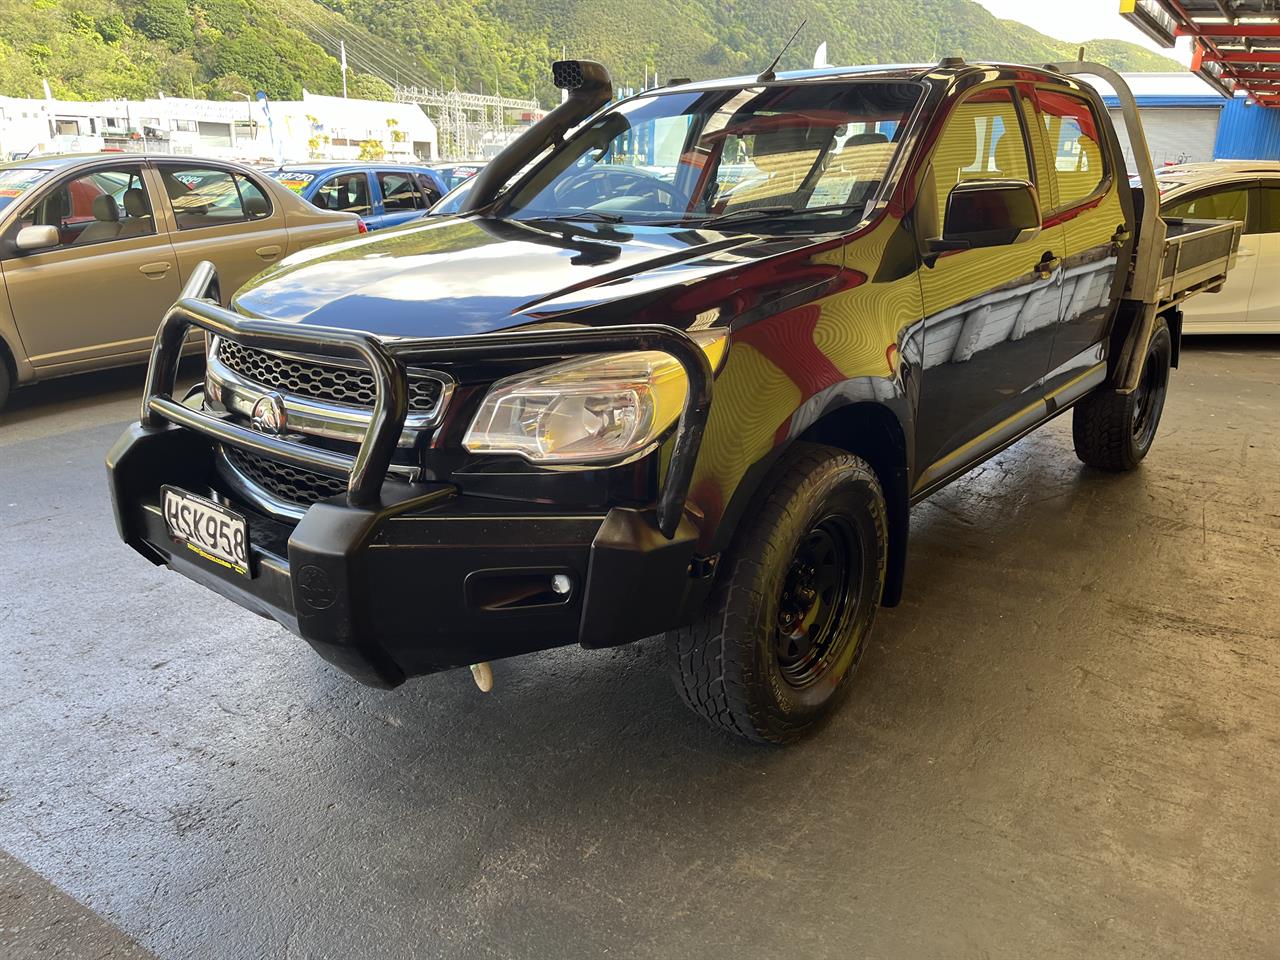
1114, 431
795, 601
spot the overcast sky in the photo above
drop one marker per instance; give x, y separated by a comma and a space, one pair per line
1079, 20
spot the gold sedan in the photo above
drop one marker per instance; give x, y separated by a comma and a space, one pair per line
94, 250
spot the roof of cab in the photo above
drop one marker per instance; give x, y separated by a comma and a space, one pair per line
881, 71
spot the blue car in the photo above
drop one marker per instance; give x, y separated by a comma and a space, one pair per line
382, 194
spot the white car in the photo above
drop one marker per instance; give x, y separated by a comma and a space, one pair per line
1244, 190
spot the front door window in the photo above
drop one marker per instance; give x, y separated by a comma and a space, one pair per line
108, 204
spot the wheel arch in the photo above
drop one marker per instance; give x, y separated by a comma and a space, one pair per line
867, 424
874, 432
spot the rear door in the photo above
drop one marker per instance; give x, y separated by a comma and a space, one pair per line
224, 216
347, 192
433, 188
401, 197
100, 293
1226, 201
990, 313
1091, 215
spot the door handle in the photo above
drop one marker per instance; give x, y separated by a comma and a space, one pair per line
269, 252
157, 269
1048, 263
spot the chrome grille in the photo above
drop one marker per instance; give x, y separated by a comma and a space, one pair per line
282, 480
323, 381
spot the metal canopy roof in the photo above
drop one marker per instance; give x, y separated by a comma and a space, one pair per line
1236, 45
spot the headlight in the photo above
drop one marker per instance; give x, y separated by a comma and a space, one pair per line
586, 410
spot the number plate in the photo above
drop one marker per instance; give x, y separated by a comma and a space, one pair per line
207, 529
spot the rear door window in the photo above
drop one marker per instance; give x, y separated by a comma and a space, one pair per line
348, 192
430, 192
399, 191
209, 197
1075, 142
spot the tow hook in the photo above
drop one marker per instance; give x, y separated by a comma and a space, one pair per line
482, 673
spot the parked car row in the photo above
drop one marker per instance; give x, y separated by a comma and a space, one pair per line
95, 248
382, 195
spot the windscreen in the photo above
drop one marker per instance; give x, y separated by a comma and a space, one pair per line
17, 181
796, 151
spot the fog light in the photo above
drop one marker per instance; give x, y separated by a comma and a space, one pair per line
561, 584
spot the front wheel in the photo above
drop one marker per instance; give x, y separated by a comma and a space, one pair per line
788, 624
1114, 431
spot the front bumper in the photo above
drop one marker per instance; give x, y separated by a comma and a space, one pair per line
394, 579
428, 579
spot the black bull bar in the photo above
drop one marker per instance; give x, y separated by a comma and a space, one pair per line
366, 471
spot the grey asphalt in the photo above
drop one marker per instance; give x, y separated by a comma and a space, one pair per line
1065, 743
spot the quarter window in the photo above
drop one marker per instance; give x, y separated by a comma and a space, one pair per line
110, 204
348, 192
399, 191
1075, 142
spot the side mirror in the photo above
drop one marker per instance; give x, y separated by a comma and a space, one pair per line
988, 213
37, 237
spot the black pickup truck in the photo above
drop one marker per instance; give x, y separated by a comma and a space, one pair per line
680, 365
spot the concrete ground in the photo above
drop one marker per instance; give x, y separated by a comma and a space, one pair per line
1065, 744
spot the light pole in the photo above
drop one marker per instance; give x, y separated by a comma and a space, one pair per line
248, 111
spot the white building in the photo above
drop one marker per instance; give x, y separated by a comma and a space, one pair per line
284, 130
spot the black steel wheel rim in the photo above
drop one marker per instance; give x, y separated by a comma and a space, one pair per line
1146, 402
820, 599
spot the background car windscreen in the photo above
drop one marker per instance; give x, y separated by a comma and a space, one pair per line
15, 182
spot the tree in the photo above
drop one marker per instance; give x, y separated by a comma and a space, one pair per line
364, 86
372, 150
165, 20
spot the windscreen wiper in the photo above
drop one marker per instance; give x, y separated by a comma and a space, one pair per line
771, 212
587, 216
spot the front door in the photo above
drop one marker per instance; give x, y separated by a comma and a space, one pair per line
347, 192
101, 292
990, 313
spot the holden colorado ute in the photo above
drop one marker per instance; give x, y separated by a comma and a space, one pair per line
680, 364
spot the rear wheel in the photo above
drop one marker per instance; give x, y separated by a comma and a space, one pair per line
798, 594
1114, 431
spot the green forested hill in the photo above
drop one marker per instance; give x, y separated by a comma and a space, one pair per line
93, 49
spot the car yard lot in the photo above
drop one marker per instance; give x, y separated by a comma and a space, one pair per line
1063, 744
